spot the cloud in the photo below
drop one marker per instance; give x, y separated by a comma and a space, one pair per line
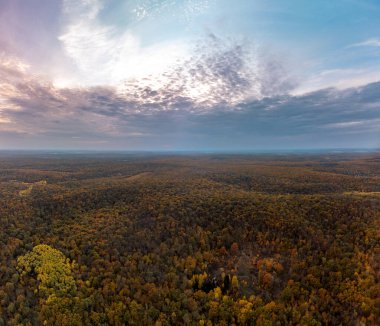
370, 42
105, 54
338, 78
108, 73
28, 30
347, 124
177, 74
36, 113
219, 73
182, 9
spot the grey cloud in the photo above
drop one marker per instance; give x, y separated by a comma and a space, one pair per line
328, 118
168, 117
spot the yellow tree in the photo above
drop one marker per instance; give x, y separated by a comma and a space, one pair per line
56, 288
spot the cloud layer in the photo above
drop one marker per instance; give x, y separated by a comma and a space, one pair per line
34, 112
118, 75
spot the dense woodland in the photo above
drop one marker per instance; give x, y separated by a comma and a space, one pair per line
132, 239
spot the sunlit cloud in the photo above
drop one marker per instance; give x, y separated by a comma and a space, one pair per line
105, 55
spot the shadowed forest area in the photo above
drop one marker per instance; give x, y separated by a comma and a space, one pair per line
133, 239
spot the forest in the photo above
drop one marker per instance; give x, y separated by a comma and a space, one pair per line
200, 239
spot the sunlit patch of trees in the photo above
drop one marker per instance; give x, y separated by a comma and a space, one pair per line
219, 240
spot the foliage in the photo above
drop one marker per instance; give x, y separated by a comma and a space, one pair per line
200, 240
52, 268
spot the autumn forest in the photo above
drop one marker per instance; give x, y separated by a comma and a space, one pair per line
154, 239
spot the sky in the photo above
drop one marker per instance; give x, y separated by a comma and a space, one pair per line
189, 74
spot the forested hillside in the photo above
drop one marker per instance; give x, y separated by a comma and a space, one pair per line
128, 239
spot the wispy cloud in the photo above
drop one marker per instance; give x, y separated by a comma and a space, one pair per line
346, 124
183, 9
370, 42
338, 78
105, 54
